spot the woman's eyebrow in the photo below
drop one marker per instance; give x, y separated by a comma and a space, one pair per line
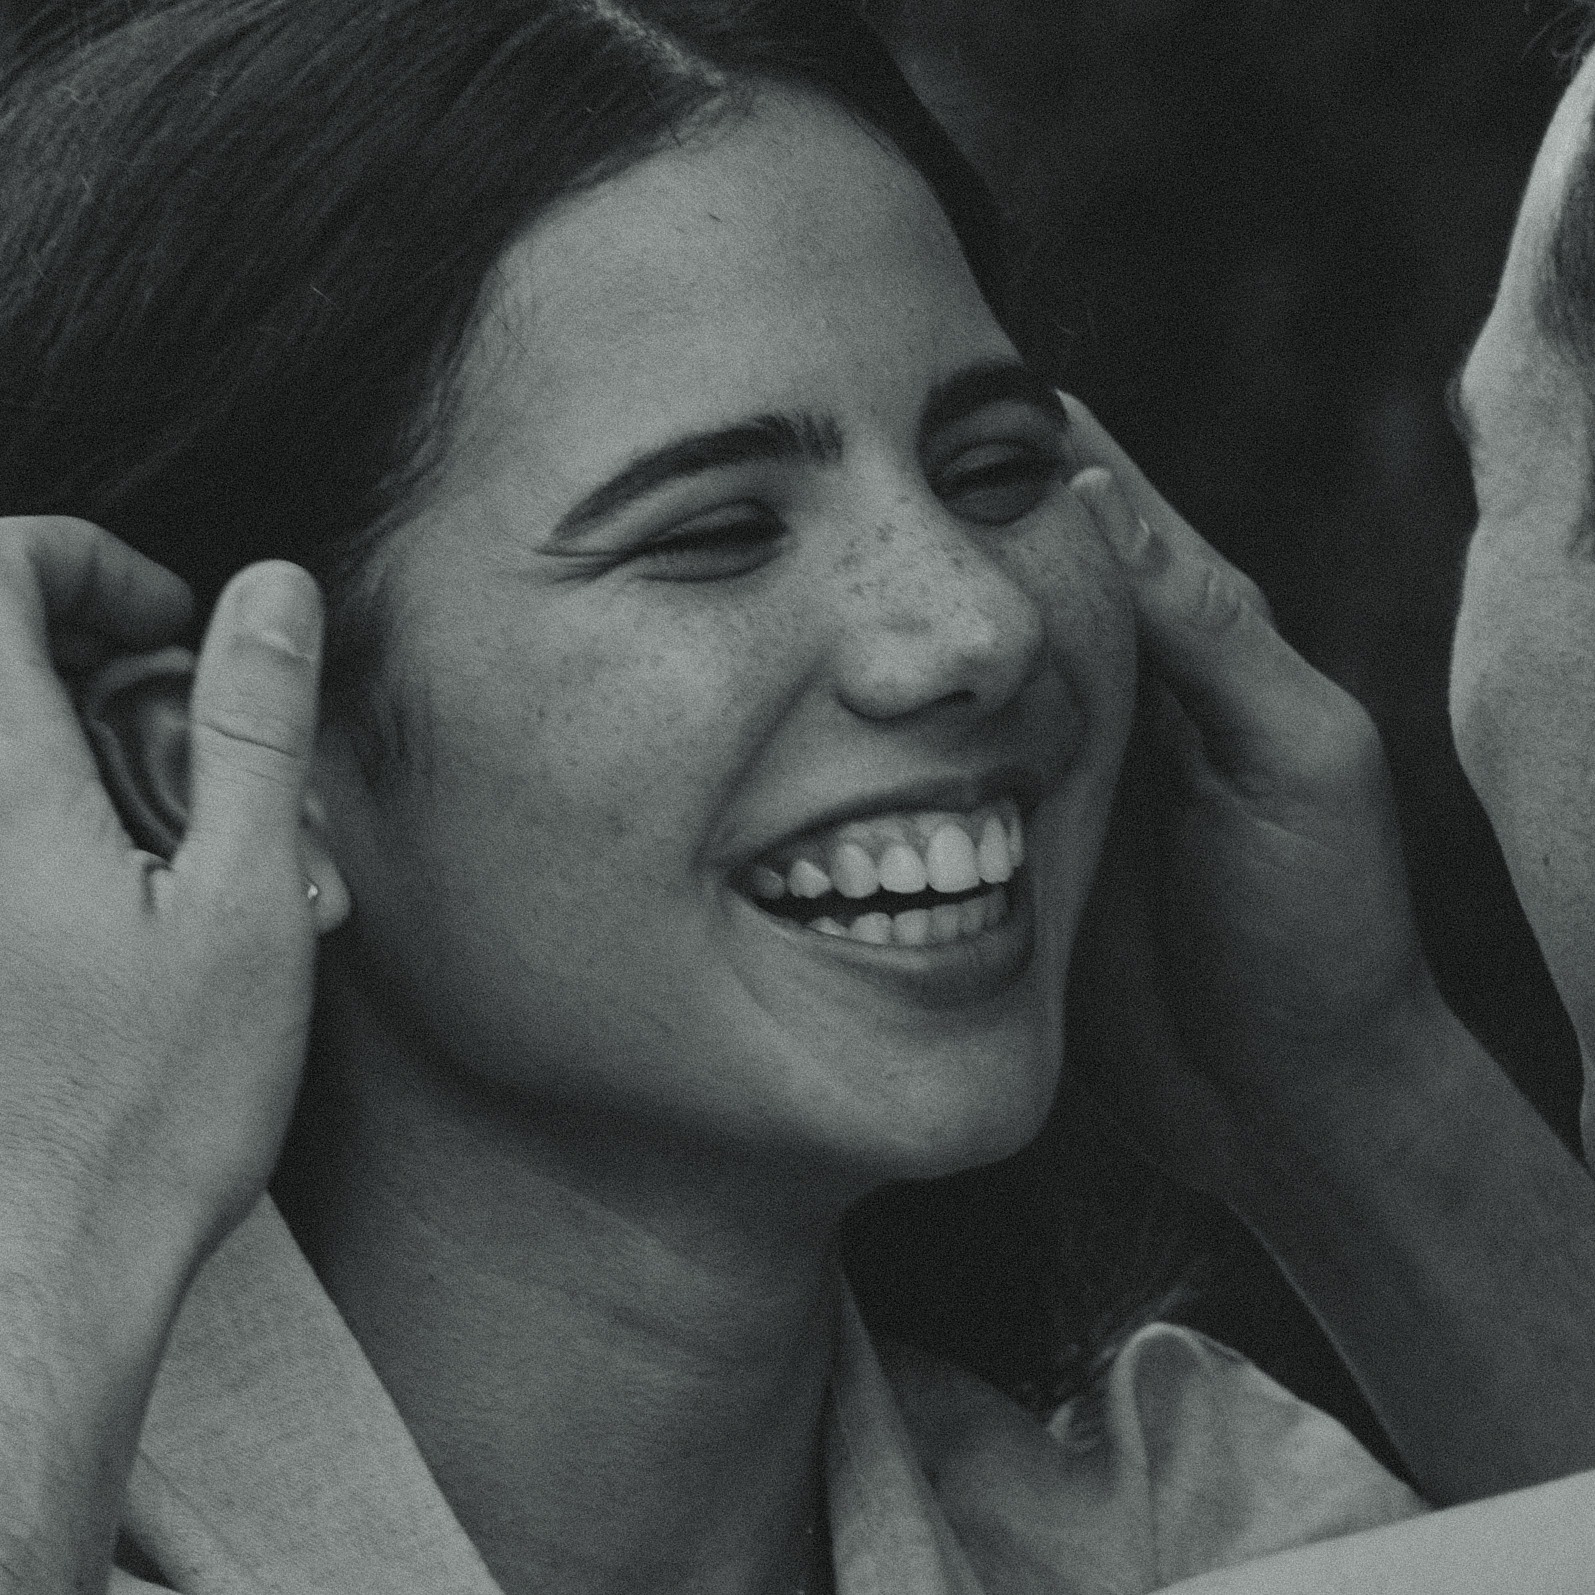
765, 437
993, 382
814, 438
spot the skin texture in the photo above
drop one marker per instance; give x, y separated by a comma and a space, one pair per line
1523, 664
598, 749
155, 1016
588, 1125
577, 1116
565, 1065
1265, 1024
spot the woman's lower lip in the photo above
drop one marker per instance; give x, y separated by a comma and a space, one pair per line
945, 975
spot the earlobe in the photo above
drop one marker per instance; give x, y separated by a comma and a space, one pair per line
331, 895
135, 714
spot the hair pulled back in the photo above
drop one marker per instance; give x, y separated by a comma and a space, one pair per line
242, 247
242, 241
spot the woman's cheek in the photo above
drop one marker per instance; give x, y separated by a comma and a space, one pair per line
621, 738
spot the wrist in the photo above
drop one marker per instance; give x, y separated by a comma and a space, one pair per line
1379, 1103
86, 1307
101, 1255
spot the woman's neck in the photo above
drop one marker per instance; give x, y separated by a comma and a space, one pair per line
613, 1357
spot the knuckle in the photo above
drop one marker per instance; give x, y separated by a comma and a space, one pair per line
1365, 748
1258, 600
1221, 600
21, 536
1345, 749
250, 732
1249, 593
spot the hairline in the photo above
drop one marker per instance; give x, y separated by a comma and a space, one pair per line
382, 724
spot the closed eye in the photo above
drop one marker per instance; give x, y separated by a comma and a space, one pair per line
995, 484
733, 543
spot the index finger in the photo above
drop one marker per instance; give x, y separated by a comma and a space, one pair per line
1092, 444
56, 571
70, 572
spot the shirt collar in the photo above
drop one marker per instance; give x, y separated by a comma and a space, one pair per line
272, 1458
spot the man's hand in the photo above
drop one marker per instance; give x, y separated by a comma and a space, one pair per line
1251, 918
1253, 1004
152, 1015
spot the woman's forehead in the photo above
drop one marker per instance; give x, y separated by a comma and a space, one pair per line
787, 258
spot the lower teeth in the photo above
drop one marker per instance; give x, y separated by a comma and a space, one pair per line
922, 927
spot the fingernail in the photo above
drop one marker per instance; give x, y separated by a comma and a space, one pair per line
280, 606
1128, 534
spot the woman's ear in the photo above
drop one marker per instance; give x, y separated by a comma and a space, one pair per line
134, 711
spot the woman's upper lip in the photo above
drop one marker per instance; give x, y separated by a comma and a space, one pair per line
954, 793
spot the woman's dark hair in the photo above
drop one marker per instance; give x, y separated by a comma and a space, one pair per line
243, 241
242, 245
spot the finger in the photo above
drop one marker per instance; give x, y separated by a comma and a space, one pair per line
1092, 444
73, 574
61, 574
1262, 711
79, 653
252, 727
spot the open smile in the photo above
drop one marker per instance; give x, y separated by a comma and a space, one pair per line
932, 897
920, 878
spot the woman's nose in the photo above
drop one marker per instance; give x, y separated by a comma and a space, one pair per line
932, 619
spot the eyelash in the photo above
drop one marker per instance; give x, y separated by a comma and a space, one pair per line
1013, 467
755, 532
740, 545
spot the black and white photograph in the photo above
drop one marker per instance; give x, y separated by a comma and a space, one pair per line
797, 797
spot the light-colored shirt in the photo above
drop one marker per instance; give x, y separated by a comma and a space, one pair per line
272, 1460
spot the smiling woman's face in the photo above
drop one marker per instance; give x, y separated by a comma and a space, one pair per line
750, 637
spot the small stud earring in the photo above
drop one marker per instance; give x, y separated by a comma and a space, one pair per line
312, 891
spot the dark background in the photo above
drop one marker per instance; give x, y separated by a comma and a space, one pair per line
1255, 238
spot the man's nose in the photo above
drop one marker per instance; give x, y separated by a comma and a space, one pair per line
930, 619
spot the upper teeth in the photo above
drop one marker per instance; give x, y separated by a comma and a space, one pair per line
900, 853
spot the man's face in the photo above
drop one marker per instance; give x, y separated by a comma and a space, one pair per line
1523, 666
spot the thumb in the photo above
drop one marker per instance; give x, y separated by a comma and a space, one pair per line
253, 725
1261, 710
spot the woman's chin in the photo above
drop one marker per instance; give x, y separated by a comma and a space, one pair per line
928, 1118
908, 1063
959, 1143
